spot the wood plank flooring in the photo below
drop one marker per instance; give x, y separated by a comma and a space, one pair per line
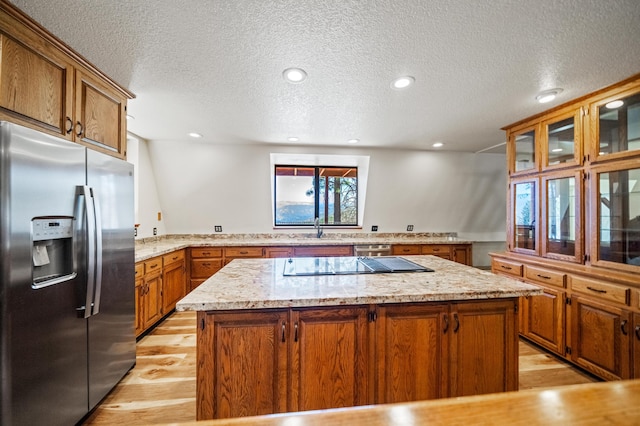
161, 388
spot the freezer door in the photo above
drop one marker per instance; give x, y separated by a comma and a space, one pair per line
112, 344
43, 344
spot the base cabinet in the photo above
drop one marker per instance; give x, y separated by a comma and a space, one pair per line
600, 338
270, 361
174, 280
636, 346
543, 319
460, 253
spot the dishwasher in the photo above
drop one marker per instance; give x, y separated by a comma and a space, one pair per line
371, 250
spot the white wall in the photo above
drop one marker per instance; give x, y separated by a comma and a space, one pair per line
201, 185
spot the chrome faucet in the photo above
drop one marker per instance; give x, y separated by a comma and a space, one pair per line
316, 224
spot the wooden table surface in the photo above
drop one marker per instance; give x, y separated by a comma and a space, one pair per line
607, 403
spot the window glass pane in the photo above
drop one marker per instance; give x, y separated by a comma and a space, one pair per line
294, 195
525, 216
525, 151
620, 125
334, 201
561, 216
619, 221
560, 142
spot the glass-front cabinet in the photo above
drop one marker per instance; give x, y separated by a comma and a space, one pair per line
615, 123
524, 211
562, 216
561, 137
618, 215
524, 153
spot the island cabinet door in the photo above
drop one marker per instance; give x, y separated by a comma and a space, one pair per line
411, 352
242, 363
543, 319
329, 358
483, 347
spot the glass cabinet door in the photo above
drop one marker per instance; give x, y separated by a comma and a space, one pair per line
524, 212
523, 147
618, 214
561, 145
618, 127
562, 214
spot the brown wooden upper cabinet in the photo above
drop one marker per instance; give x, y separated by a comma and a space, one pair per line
47, 86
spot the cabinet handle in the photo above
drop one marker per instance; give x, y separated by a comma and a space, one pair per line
544, 277
205, 253
174, 257
153, 266
508, 268
436, 249
69, 128
623, 327
457, 320
244, 252
207, 264
446, 324
283, 331
79, 132
638, 331
597, 290
295, 332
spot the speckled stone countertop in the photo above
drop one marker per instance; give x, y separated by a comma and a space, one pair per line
155, 246
259, 283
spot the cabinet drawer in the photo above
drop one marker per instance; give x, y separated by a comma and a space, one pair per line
243, 252
176, 256
153, 265
545, 276
204, 268
206, 252
406, 249
507, 267
321, 251
601, 290
436, 250
139, 270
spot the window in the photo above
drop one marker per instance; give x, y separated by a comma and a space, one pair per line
304, 193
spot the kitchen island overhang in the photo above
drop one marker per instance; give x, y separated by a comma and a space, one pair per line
272, 343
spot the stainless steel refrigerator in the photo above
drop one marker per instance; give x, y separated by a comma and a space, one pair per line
66, 277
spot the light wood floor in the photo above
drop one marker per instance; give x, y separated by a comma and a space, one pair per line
161, 388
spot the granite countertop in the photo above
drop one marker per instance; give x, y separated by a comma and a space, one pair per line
259, 283
156, 246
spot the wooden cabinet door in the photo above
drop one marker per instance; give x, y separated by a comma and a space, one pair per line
35, 86
411, 352
152, 308
543, 319
242, 363
173, 284
139, 298
462, 254
401, 249
100, 116
600, 338
483, 347
330, 358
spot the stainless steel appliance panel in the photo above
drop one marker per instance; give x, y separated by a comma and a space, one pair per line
112, 344
43, 343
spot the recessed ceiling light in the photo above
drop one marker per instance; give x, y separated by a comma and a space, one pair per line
294, 75
402, 82
548, 95
293, 139
353, 140
437, 145
195, 135
614, 104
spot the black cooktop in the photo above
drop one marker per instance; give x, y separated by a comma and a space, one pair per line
306, 266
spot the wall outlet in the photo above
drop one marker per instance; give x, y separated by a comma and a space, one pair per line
135, 232
374, 228
409, 228
155, 231
218, 228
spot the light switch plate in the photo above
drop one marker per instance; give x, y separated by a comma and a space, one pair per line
218, 228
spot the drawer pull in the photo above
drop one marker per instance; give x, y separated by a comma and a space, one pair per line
244, 252
206, 253
153, 266
174, 257
544, 277
207, 264
597, 290
623, 327
436, 249
508, 268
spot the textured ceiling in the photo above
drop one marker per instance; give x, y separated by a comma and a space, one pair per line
215, 66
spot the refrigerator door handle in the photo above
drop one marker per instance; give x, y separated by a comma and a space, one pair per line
98, 253
84, 192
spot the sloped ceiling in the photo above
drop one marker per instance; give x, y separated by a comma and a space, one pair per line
215, 66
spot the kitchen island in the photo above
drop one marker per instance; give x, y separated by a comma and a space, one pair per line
271, 343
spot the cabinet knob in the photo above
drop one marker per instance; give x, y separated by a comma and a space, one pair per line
69, 127
79, 125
